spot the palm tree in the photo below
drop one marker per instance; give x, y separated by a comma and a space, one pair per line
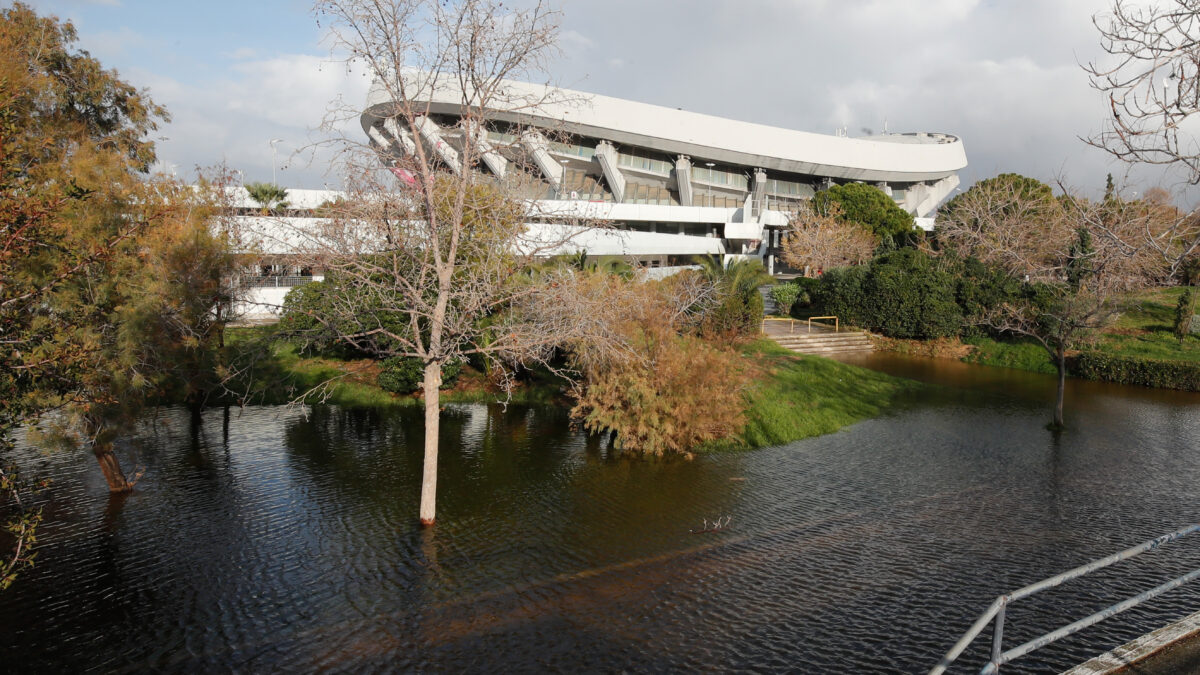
741, 277
268, 195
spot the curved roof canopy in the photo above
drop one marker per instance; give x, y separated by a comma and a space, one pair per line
891, 158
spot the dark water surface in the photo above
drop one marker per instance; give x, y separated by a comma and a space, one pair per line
265, 540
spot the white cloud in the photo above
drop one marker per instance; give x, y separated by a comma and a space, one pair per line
1004, 76
241, 53
231, 120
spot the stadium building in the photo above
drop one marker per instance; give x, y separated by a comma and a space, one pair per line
669, 184
674, 183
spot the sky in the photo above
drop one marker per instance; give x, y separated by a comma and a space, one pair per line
1003, 75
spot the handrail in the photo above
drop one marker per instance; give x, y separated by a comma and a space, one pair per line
792, 326
835, 322
996, 609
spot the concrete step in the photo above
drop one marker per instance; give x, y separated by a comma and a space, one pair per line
819, 348
821, 336
829, 341
833, 348
769, 306
825, 343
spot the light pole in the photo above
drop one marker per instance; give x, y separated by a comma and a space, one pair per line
273, 142
241, 177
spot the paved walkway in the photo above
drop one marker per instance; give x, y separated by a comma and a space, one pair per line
1168, 650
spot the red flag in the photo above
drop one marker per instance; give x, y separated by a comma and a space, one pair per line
405, 176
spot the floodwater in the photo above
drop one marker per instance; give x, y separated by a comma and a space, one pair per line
268, 539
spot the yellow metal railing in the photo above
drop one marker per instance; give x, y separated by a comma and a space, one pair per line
792, 323
818, 318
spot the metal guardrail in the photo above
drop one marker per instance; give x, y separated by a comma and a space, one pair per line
275, 281
818, 318
996, 609
792, 323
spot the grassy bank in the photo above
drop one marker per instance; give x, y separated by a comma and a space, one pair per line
1144, 331
794, 396
283, 375
1022, 354
790, 397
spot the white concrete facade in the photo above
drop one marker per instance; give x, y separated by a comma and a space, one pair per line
657, 171
669, 183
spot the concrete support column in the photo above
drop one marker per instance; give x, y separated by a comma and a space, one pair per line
494, 160
606, 154
401, 135
535, 144
683, 179
759, 191
431, 133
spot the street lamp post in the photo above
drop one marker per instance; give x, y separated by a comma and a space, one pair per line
273, 142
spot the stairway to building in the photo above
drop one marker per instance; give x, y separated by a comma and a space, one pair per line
582, 185
822, 341
769, 306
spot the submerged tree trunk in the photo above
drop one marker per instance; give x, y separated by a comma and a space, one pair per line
111, 468
433, 381
1060, 359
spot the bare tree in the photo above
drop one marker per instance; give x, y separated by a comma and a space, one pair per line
823, 239
1152, 83
428, 250
1068, 252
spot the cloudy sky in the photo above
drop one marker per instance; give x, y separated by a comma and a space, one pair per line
1004, 75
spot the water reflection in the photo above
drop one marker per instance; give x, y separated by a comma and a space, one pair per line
285, 539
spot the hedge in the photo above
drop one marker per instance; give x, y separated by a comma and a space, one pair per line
406, 374
1183, 375
900, 294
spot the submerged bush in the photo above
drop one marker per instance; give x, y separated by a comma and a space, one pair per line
688, 393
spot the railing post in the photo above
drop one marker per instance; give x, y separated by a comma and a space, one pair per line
998, 635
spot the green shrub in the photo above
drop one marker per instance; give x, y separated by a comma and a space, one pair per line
979, 289
1183, 315
785, 295
1183, 375
737, 315
298, 319
901, 295
840, 293
405, 374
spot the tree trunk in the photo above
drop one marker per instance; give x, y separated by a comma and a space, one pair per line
1061, 361
111, 468
433, 380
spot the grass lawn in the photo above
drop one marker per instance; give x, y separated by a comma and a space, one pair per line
1024, 354
1144, 330
283, 375
791, 396
796, 396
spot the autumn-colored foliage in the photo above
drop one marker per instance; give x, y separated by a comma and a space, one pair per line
645, 377
684, 393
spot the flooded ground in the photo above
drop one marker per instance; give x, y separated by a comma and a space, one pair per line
271, 539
